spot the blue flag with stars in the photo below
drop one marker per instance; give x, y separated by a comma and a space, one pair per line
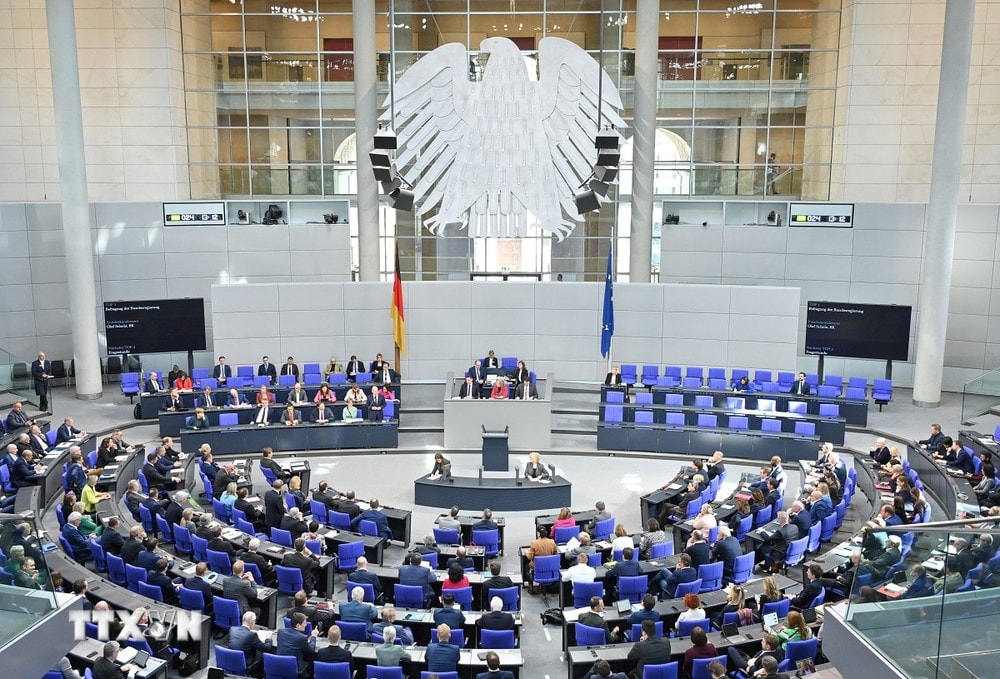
608, 322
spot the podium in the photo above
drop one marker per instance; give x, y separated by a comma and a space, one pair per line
496, 451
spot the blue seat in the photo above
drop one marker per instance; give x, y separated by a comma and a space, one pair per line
633, 587
489, 540
288, 623
664, 671
228, 419
100, 559
658, 551
686, 588
564, 533
826, 391
147, 519
650, 373
281, 537
254, 571
805, 428
369, 528
739, 374
711, 576
672, 375
116, 570
376, 672
348, 554
339, 520
704, 401
615, 397
829, 410
589, 636
717, 383
856, 393
318, 510
166, 532
281, 666
330, 670
495, 638
739, 423
644, 398
191, 599
785, 381
582, 591
604, 529
289, 579
221, 511
735, 403
815, 531
363, 378
134, 575
684, 627
546, 569
644, 418
760, 377
818, 599
798, 407
353, 631
629, 374
366, 586
200, 548
150, 591
882, 392
129, 386
463, 597
770, 388
707, 420
796, 651
780, 607
691, 383
219, 562
742, 568
674, 399
509, 595
796, 552
675, 419
408, 596
231, 661
764, 515
829, 527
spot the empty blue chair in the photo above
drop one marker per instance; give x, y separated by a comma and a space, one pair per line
628, 372
742, 568
582, 591
603, 529
615, 397
829, 410
166, 532
147, 519
134, 575
330, 670
805, 428
664, 671
672, 375
219, 562
763, 515
675, 419
633, 587
812, 379
673, 399
770, 425
281, 666
704, 401
231, 661
691, 383
463, 597
408, 596
339, 520
739, 423
686, 588
493, 638
770, 388
760, 377
695, 371
100, 559
261, 381
829, 528
644, 419
116, 570
281, 537
658, 551
613, 414
644, 398
547, 569
711, 576
432, 559
286, 380
228, 419
200, 548
312, 379
826, 391
834, 381
684, 627
353, 631
489, 540
348, 554
589, 636
150, 591
707, 420
650, 373
564, 533
798, 407
376, 672
785, 381
780, 608
855, 394
717, 383
289, 579
191, 599
129, 386
796, 651
717, 373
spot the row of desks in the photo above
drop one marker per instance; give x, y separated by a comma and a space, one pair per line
251, 438
174, 422
703, 441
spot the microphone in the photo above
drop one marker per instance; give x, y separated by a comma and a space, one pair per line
517, 476
480, 475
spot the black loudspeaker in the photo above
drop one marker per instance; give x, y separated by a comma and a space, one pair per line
607, 139
587, 201
385, 139
608, 157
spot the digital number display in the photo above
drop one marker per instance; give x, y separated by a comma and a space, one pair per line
821, 214
194, 214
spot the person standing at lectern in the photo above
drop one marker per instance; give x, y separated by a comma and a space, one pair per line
526, 391
800, 386
500, 389
470, 389
477, 374
40, 369
535, 470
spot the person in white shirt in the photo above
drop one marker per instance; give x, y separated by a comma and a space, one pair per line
581, 572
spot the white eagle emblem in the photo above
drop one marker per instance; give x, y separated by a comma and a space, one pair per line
484, 154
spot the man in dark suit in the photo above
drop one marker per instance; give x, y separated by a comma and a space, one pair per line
223, 478
496, 581
486, 522
220, 544
147, 558
800, 387
254, 515
17, 418
623, 568
493, 670
649, 650
198, 583
173, 401
268, 370
799, 517
133, 545
240, 587
111, 540
358, 610
274, 504
750, 665
294, 523
244, 638
266, 568
348, 505
884, 561
153, 385
412, 573
668, 581
222, 372
376, 405
289, 368
727, 549
449, 614
268, 462
478, 375
442, 655
594, 618
105, 667
497, 618
462, 559
334, 653
470, 389
158, 578
934, 441
373, 514
775, 547
773, 495
154, 477
811, 588
362, 576
354, 366
67, 431
305, 561
207, 466
24, 473
318, 617
526, 391
326, 495
71, 531
40, 369
718, 467
295, 642
207, 400
698, 549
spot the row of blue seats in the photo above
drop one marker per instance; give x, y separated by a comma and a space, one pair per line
131, 385
614, 414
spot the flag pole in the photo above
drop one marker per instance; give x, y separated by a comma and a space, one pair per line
611, 247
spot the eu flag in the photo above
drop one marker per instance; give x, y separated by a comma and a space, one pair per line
608, 323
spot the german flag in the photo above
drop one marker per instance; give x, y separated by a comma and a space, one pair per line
396, 310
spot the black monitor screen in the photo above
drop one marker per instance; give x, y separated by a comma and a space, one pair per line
155, 326
880, 331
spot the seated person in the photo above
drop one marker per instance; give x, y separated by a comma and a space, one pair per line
206, 399
290, 416
197, 421
173, 402
526, 391
470, 389
534, 470
236, 400
322, 414
183, 382
745, 385
350, 410
500, 389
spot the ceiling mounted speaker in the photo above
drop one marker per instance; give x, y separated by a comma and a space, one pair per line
380, 158
608, 158
383, 174
605, 174
385, 139
598, 187
587, 201
607, 139
402, 199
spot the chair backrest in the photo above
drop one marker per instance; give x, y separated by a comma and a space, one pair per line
348, 554
658, 551
226, 612
739, 422
232, 661
376, 672
589, 636
664, 671
637, 630
318, 511
494, 638
116, 570
339, 520
684, 627
796, 551
615, 397
367, 527
685, 588
409, 596
882, 389
582, 591
699, 670
134, 575
200, 547
564, 533
718, 383
447, 536
100, 560
650, 373
761, 376
603, 529
707, 420
675, 419
547, 568
219, 562
644, 398
769, 424
614, 413
457, 637
366, 586
798, 407
743, 568
633, 587
280, 666
763, 515
801, 650
509, 596
191, 599
770, 388
780, 607
805, 428
711, 576
829, 410
673, 399
704, 401
488, 539
289, 579
815, 532
829, 528
281, 537
463, 597
150, 591
331, 670
691, 382
353, 631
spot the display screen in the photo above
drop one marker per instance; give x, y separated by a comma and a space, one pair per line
155, 326
880, 331
194, 214
821, 214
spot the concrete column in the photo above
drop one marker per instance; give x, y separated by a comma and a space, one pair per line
942, 208
366, 124
647, 22
73, 186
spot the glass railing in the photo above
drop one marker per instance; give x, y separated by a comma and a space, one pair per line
980, 394
15, 376
936, 612
26, 596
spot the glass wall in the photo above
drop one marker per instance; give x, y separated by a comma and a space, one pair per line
272, 83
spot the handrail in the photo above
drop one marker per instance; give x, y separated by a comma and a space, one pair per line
980, 394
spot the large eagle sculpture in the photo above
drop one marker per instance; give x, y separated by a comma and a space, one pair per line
484, 154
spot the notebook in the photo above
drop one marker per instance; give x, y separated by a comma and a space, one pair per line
809, 615
730, 630
623, 606
771, 619
899, 577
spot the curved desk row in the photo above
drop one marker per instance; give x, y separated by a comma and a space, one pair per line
173, 423
953, 492
503, 494
150, 404
855, 411
251, 438
703, 441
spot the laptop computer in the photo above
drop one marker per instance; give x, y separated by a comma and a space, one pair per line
623, 606
809, 615
899, 577
730, 630
771, 619
141, 658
